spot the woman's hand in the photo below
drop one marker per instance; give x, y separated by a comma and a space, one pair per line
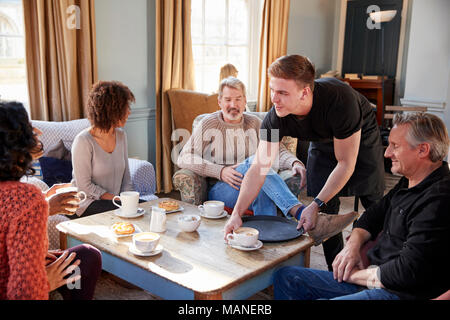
52, 255
107, 196
55, 187
59, 203
60, 268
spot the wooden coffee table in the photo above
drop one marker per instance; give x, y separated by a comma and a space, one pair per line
197, 265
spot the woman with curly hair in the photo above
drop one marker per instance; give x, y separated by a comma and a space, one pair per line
100, 152
27, 269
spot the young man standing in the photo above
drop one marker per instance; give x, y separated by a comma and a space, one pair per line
345, 157
222, 146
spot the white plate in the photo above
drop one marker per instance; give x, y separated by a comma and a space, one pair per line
159, 248
179, 209
136, 230
220, 216
140, 212
259, 244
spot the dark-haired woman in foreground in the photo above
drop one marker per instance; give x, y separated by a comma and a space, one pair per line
27, 270
100, 153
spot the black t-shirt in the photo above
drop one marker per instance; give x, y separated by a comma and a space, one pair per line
413, 230
338, 111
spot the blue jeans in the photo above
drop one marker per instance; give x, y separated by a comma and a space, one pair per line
298, 283
274, 193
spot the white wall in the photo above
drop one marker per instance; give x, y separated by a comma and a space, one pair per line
312, 31
125, 51
428, 60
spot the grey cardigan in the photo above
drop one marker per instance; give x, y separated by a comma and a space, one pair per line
96, 171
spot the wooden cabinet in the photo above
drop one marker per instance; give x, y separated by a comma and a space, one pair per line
373, 90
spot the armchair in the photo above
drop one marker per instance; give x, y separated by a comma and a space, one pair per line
142, 172
193, 188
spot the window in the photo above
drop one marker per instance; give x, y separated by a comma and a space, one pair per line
13, 80
226, 31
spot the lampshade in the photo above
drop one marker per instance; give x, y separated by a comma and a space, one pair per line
383, 16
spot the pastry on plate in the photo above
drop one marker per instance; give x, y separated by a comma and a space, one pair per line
123, 228
169, 205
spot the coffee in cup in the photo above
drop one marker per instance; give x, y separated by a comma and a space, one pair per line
212, 208
80, 197
243, 237
146, 241
130, 202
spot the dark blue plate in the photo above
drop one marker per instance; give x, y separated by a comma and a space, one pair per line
273, 228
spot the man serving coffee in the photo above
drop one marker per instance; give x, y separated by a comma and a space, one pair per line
223, 145
345, 156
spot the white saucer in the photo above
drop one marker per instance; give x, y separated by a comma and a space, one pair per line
220, 216
159, 248
136, 230
140, 212
176, 210
259, 244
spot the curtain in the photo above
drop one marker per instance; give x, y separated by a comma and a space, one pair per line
174, 69
61, 57
273, 44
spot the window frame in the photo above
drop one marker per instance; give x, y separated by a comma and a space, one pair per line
18, 27
254, 29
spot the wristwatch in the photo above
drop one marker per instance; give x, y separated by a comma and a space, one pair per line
322, 205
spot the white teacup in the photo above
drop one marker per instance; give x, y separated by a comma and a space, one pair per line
130, 202
243, 237
80, 196
146, 241
212, 208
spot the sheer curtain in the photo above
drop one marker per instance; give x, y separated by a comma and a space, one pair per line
61, 57
274, 30
174, 69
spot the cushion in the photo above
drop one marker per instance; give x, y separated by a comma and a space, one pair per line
37, 169
186, 105
35, 181
246, 212
56, 170
58, 151
53, 131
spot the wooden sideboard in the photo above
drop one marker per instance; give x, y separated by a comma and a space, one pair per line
373, 90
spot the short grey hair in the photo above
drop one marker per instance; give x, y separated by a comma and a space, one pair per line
425, 127
232, 83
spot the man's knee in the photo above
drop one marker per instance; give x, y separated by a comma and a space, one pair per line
291, 283
285, 276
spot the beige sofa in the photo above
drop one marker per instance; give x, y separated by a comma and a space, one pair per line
193, 188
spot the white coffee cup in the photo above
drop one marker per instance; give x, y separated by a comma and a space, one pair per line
130, 202
146, 241
80, 196
212, 208
243, 237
